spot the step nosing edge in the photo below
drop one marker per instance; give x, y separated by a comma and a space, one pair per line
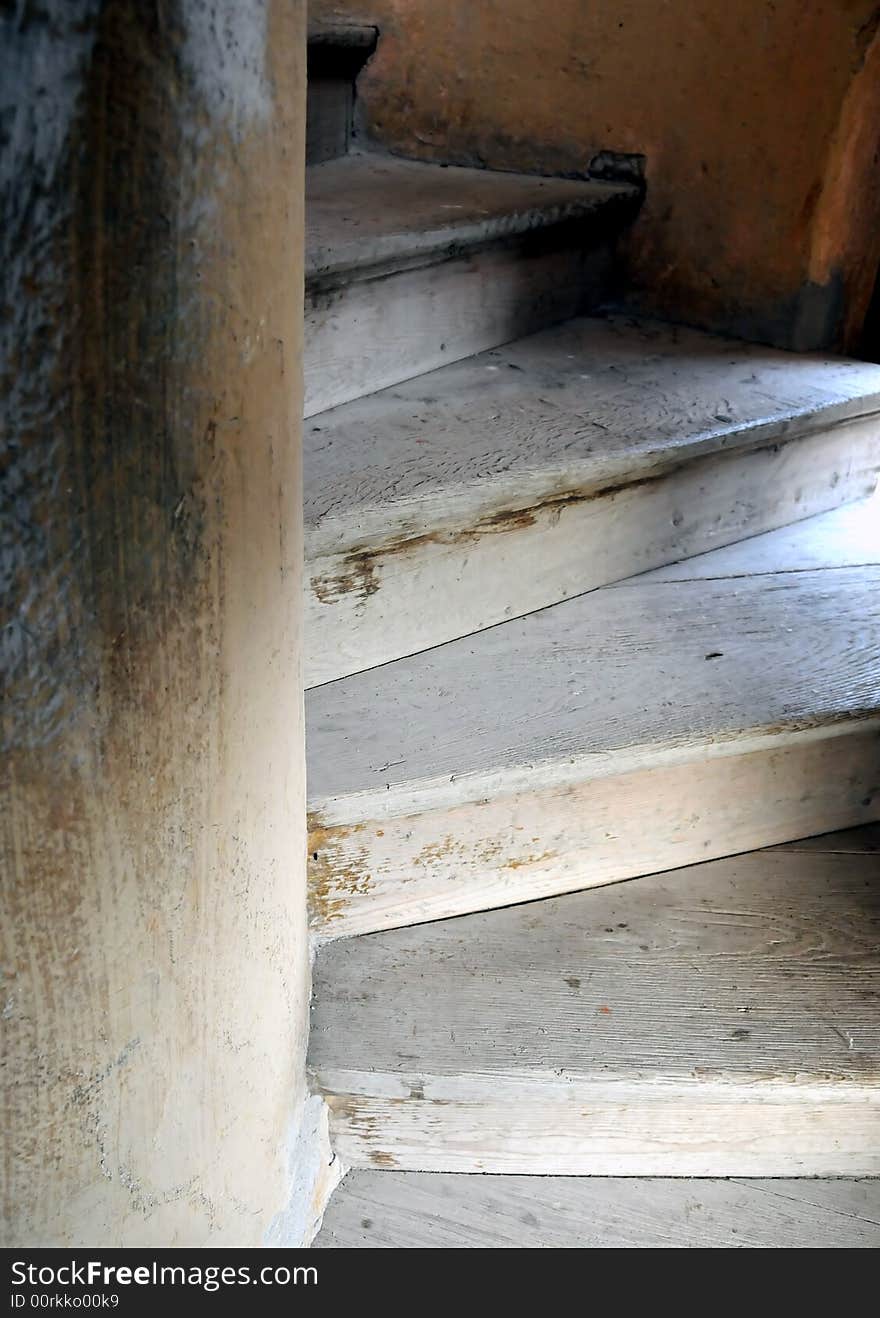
489, 1087
380, 803
435, 245
656, 464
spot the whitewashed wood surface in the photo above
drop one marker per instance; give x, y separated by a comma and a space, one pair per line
718, 1020
560, 463
419, 1210
604, 683
596, 740
569, 410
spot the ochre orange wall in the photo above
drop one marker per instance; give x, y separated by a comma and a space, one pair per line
758, 118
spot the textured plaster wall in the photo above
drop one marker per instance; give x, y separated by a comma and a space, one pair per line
154, 959
758, 119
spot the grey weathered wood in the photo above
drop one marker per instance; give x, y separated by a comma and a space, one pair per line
422, 1210
640, 727
568, 410
437, 863
370, 214
720, 1020
561, 462
765, 964
608, 681
410, 266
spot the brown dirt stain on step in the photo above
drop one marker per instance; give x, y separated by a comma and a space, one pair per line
492, 853
337, 870
363, 1124
359, 571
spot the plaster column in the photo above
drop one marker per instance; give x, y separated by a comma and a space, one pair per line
154, 958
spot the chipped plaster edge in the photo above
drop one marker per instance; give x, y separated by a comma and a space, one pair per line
316, 1170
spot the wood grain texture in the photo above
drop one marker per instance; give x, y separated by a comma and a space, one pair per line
368, 212
732, 712
370, 333
364, 609
568, 410
595, 1129
411, 266
718, 1021
439, 863
601, 684
564, 461
417, 1210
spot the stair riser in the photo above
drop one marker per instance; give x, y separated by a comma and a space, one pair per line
363, 336
576, 1130
365, 609
384, 873
328, 118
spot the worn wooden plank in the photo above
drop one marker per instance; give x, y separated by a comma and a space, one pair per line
420, 1210
364, 609
721, 1020
370, 334
411, 266
730, 713
439, 863
766, 964
564, 1128
598, 685
564, 461
565, 411
370, 213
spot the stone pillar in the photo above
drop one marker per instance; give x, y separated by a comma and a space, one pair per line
154, 959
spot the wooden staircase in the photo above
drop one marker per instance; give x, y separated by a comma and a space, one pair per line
589, 598
721, 1020
575, 457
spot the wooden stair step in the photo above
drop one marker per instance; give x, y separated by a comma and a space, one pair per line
423, 1210
643, 726
569, 459
409, 265
720, 1020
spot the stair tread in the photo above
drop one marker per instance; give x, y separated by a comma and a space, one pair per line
596, 402
632, 674
366, 211
764, 967
412, 1210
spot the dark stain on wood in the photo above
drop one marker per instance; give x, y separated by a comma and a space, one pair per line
359, 571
